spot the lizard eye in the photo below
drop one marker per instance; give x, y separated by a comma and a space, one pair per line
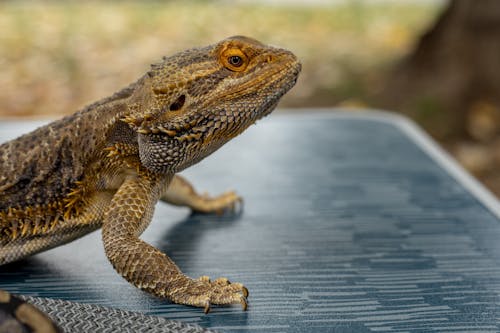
234, 59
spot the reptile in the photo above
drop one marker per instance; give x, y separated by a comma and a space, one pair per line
107, 165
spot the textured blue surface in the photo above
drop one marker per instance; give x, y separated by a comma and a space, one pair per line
348, 226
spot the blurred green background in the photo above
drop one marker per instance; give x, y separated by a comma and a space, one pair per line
57, 56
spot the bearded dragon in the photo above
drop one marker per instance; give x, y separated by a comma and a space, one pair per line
107, 165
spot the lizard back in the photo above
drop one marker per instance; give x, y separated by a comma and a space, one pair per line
48, 155
41, 170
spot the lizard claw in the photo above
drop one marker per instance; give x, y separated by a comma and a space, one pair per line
207, 308
244, 303
245, 292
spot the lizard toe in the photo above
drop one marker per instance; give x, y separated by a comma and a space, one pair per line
203, 292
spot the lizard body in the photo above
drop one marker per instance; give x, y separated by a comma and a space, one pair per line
110, 163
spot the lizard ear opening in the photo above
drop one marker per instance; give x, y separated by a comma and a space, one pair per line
178, 104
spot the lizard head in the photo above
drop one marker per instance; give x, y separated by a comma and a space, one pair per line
201, 98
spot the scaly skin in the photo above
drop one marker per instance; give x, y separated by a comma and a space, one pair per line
110, 163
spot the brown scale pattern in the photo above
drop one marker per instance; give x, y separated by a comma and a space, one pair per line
110, 163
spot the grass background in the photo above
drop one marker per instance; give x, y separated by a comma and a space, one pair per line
57, 56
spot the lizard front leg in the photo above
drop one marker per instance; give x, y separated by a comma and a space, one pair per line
146, 267
180, 192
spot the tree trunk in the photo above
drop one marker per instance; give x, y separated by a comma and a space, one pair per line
451, 82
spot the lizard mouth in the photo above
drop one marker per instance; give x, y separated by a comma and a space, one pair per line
284, 84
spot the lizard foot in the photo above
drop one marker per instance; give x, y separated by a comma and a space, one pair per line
204, 293
226, 202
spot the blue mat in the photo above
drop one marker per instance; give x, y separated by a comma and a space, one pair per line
352, 223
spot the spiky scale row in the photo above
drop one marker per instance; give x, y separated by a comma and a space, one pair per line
18, 222
30, 221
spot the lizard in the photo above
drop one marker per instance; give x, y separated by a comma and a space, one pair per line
107, 165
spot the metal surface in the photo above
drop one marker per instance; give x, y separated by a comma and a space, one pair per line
351, 223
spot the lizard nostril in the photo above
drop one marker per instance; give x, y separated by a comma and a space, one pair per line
270, 58
178, 104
